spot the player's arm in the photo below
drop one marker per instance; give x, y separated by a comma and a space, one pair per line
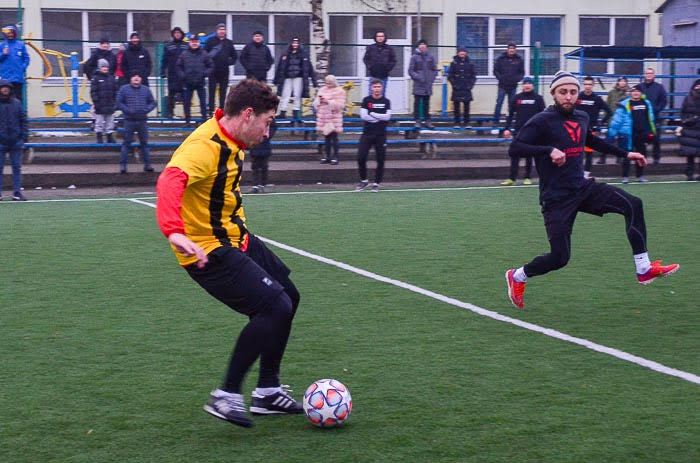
381, 117
526, 142
602, 146
366, 116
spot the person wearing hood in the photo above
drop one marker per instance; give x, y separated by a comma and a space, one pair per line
423, 70
137, 58
168, 68
462, 77
689, 135
256, 58
618, 93
104, 51
193, 67
103, 91
13, 135
224, 55
14, 60
509, 69
135, 101
292, 76
379, 59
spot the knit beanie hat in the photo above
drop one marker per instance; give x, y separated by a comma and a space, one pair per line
461, 48
102, 63
221, 26
564, 77
638, 87
134, 34
528, 80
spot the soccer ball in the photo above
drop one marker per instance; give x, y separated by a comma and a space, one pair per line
327, 403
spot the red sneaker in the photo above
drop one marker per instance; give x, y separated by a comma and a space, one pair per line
516, 289
657, 270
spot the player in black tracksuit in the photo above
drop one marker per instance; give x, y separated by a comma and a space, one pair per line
376, 112
525, 105
592, 104
556, 138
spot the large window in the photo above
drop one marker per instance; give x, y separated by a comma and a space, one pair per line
624, 32
547, 32
64, 32
105, 24
429, 30
394, 26
343, 36
286, 28
473, 33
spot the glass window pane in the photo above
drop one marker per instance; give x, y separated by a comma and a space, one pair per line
398, 69
8, 17
547, 31
473, 32
288, 27
243, 27
395, 26
63, 31
429, 26
111, 25
594, 31
203, 23
629, 32
153, 27
509, 30
343, 33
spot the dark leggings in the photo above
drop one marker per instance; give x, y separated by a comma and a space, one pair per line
367, 141
331, 144
458, 112
639, 145
260, 168
514, 164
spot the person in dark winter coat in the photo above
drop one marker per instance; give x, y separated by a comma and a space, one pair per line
193, 67
509, 69
423, 70
292, 76
256, 58
224, 55
103, 91
655, 94
137, 58
168, 68
261, 160
690, 128
14, 60
524, 105
135, 101
104, 51
13, 135
592, 104
379, 59
462, 77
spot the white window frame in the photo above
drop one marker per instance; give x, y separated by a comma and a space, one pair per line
610, 64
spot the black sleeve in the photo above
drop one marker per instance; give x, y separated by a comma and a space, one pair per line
600, 145
524, 143
540, 103
606, 109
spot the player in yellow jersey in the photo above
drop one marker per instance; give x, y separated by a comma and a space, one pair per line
200, 211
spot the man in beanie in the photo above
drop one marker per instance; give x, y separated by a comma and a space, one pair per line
256, 58
135, 101
137, 58
423, 70
104, 51
509, 69
224, 55
168, 68
523, 107
556, 138
193, 67
292, 78
13, 136
462, 77
103, 91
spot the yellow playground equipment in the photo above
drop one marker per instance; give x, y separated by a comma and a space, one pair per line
349, 105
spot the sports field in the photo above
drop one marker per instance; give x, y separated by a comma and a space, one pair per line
109, 350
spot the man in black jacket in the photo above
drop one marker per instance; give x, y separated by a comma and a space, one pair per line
136, 58
223, 54
193, 67
104, 51
168, 68
462, 77
13, 136
256, 58
509, 69
655, 94
379, 59
556, 138
592, 104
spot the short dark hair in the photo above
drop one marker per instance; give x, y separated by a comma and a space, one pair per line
376, 81
589, 78
250, 93
512, 44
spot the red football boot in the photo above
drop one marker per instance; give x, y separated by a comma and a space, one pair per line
516, 289
655, 271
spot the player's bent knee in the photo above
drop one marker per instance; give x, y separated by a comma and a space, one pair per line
560, 260
279, 309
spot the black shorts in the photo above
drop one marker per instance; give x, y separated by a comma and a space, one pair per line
245, 281
559, 216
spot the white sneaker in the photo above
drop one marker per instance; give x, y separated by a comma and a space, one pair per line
625, 180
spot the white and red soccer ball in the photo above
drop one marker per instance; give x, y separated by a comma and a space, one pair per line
327, 403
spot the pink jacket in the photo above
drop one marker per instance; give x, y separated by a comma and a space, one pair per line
332, 109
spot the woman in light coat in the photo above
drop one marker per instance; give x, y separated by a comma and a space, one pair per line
329, 105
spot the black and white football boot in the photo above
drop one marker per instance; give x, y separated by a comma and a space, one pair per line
228, 407
279, 402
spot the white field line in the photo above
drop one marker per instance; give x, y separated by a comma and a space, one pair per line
484, 312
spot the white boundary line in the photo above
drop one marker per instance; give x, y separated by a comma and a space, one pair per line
622, 355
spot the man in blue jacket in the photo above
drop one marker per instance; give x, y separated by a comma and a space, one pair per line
135, 101
14, 60
13, 135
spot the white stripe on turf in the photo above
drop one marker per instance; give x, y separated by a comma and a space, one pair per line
622, 355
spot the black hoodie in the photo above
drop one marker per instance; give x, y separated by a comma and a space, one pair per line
171, 53
379, 59
137, 58
257, 59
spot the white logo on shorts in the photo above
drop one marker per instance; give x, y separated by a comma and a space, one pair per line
267, 281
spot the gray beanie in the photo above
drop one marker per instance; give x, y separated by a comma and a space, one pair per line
564, 77
102, 63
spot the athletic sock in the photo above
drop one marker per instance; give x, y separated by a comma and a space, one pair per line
265, 391
520, 276
641, 261
222, 393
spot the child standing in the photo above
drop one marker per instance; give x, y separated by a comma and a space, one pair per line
261, 159
103, 91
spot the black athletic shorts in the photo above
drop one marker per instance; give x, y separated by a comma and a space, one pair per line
559, 216
244, 281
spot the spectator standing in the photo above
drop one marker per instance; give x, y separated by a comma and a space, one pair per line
423, 70
592, 104
690, 128
223, 54
329, 105
256, 58
137, 58
655, 94
618, 93
14, 60
135, 101
168, 68
633, 125
104, 51
122, 79
462, 77
523, 107
261, 161
193, 66
103, 91
509, 69
13, 135
294, 70
379, 59
376, 112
